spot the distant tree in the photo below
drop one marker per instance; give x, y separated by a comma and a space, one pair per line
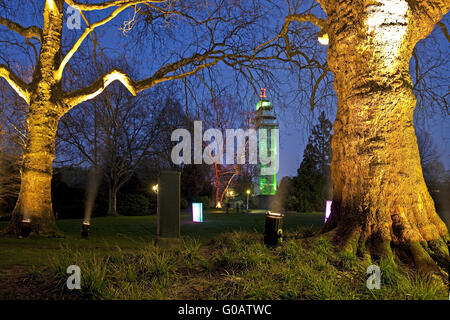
285, 198
210, 41
313, 183
223, 113
10, 156
432, 167
11, 148
195, 182
116, 132
434, 173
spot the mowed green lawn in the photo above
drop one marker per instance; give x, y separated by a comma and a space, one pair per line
133, 232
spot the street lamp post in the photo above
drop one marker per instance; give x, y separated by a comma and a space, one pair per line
248, 194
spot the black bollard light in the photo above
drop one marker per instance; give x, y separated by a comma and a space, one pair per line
25, 229
85, 227
273, 233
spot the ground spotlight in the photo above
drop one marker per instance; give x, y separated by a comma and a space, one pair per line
85, 227
25, 229
273, 233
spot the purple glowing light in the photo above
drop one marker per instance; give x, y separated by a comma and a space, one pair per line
328, 210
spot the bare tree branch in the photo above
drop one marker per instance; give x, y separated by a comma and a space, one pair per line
108, 4
301, 18
316, 85
444, 30
87, 31
15, 82
98, 86
121, 4
26, 32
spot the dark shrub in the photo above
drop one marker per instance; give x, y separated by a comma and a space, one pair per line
130, 204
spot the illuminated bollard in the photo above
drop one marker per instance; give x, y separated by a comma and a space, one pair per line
168, 217
273, 233
328, 210
197, 212
25, 228
85, 227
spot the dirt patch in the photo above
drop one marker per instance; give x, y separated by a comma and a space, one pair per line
19, 283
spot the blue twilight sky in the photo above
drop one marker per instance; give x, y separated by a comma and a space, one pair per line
293, 113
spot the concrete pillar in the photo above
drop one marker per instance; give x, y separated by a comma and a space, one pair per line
168, 232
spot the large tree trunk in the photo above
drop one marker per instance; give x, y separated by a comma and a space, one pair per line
380, 200
112, 201
34, 200
45, 111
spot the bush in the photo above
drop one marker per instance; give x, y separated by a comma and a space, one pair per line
204, 200
133, 205
184, 204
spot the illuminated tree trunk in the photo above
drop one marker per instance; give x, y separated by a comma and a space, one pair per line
34, 200
45, 110
380, 200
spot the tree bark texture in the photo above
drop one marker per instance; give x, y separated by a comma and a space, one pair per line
381, 205
45, 111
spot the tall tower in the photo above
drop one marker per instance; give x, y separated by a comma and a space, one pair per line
266, 185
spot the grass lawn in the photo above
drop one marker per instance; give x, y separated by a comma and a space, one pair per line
222, 258
133, 232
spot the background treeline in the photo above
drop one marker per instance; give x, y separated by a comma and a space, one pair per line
305, 192
113, 149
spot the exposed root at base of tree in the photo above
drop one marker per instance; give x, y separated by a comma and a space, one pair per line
38, 228
427, 257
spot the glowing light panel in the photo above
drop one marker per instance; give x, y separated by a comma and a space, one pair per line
197, 212
328, 210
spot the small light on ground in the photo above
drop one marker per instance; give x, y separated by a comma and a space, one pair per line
26, 228
273, 231
85, 227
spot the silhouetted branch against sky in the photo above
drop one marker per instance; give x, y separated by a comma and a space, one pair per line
259, 43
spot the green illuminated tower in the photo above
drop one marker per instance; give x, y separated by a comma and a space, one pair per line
266, 185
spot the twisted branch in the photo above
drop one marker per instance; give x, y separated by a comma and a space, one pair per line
15, 82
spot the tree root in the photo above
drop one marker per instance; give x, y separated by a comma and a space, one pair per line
44, 230
430, 257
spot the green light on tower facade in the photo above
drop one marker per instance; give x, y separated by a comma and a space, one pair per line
263, 104
268, 183
266, 119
